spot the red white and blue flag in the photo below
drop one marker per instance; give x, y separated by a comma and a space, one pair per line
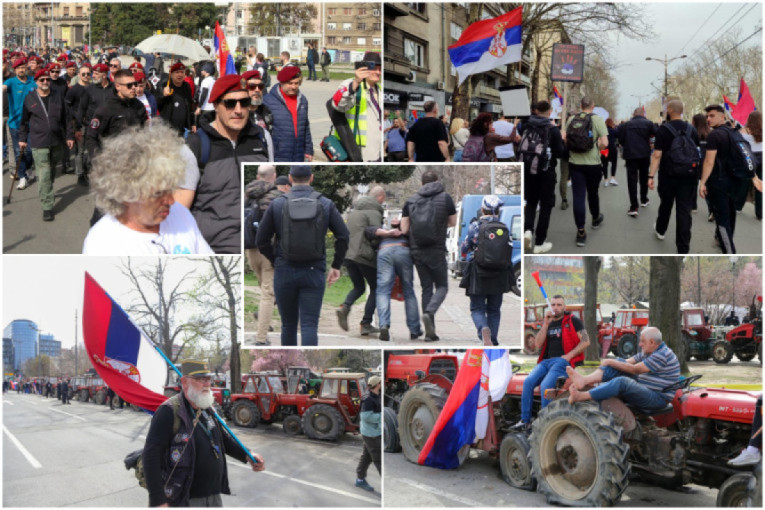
496, 372
487, 44
222, 54
745, 105
124, 358
727, 104
557, 103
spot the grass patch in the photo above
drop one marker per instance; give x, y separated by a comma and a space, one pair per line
250, 280
335, 295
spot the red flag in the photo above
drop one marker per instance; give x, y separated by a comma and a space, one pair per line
745, 104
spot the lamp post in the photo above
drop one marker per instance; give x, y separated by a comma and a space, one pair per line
666, 63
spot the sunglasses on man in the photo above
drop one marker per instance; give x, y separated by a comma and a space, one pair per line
230, 104
129, 85
254, 86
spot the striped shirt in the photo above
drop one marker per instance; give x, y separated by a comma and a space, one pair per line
664, 370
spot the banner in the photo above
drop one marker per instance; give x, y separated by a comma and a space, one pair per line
567, 63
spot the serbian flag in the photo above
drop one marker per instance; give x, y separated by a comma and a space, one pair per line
487, 44
222, 54
557, 103
745, 104
125, 359
455, 426
496, 372
727, 104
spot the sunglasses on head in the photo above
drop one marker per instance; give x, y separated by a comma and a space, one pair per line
128, 85
258, 86
230, 104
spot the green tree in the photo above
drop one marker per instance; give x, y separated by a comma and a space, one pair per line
187, 18
38, 367
279, 19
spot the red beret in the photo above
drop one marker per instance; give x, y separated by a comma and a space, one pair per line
178, 66
36, 59
289, 72
19, 62
139, 76
42, 73
71, 64
87, 64
54, 66
135, 65
251, 75
5, 51
224, 85
101, 68
62, 57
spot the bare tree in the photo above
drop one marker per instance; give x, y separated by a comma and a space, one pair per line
627, 279
665, 304
591, 270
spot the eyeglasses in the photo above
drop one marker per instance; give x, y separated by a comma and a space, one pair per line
84, 74
258, 86
230, 104
55, 71
114, 66
43, 79
128, 85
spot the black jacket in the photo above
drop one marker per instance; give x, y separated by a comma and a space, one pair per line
47, 127
73, 98
557, 147
94, 96
634, 135
112, 118
176, 108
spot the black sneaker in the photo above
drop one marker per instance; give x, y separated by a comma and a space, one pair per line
415, 336
342, 316
581, 238
430, 327
368, 329
597, 222
564, 205
48, 216
384, 334
434, 338
83, 181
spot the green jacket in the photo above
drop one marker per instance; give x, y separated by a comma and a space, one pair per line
367, 213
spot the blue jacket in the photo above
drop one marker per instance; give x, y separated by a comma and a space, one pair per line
287, 147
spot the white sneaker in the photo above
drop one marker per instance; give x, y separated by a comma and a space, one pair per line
613, 182
527, 239
659, 236
568, 184
645, 204
746, 458
22, 183
543, 248
605, 184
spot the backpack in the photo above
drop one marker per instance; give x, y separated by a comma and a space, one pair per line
302, 232
579, 138
533, 150
251, 220
474, 150
684, 155
134, 460
494, 250
422, 221
741, 162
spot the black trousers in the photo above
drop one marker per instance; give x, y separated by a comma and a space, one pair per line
613, 156
371, 454
539, 189
585, 180
358, 273
677, 191
637, 171
434, 278
722, 204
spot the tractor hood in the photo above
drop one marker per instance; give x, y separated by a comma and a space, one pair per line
721, 404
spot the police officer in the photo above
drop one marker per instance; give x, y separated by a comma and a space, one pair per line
299, 255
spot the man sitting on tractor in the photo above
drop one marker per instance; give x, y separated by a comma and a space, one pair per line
639, 381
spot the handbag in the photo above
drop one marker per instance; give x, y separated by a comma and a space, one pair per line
333, 148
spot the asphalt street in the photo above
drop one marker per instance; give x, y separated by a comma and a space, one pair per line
56, 456
623, 234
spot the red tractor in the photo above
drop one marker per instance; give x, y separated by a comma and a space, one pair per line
745, 341
623, 333
258, 400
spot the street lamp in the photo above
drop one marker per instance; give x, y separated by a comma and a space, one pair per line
666, 62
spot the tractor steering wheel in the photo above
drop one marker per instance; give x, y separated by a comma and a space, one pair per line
682, 384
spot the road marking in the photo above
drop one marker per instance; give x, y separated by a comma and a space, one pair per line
439, 491
315, 485
8, 402
21, 448
68, 414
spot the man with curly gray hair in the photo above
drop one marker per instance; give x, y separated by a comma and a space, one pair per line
132, 182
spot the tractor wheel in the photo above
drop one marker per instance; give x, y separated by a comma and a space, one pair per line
528, 341
391, 441
746, 356
627, 346
322, 421
100, 398
246, 413
735, 491
577, 455
518, 279
514, 462
84, 395
687, 346
722, 351
417, 415
292, 425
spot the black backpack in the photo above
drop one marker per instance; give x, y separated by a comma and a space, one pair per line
533, 149
579, 136
302, 232
684, 155
422, 221
741, 162
251, 220
494, 250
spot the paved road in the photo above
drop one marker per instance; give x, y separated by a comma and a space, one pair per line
622, 234
56, 456
453, 323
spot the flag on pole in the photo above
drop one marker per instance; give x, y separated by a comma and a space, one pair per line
496, 372
745, 104
124, 358
727, 104
487, 44
222, 54
557, 103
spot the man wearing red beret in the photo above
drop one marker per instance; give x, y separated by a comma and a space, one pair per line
71, 72
18, 88
260, 114
73, 100
57, 82
291, 131
35, 64
221, 145
95, 94
174, 100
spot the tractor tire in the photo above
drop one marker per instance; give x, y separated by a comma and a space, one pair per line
100, 398
246, 413
528, 341
722, 351
577, 455
735, 491
417, 415
390, 431
84, 395
687, 345
627, 346
292, 425
514, 462
748, 356
322, 421
517, 279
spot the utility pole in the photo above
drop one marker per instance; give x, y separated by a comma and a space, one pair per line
76, 356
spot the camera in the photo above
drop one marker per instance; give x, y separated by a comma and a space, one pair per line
369, 65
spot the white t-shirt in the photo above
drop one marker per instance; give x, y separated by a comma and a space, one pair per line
178, 234
756, 147
504, 128
208, 84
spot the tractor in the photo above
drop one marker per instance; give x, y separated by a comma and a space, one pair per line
696, 334
295, 374
745, 341
258, 400
623, 332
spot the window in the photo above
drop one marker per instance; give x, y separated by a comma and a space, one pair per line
331, 11
66, 12
376, 27
362, 11
79, 11
375, 12
415, 52
347, 26
376, 41
361, 40
250, 386
347, 11
456, 31
362, 27
417, 7
262, 385
332, 40
331, 26
346, 40
239, 14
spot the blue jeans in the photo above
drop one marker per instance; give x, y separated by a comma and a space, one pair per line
299, 292
311, 71
544, 375
393, 261
26, 160
457, 155
485, 310
626, 387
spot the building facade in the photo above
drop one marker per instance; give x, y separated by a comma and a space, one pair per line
352, 28
18, 24
24, 334
61, 24
49, 346
7, 356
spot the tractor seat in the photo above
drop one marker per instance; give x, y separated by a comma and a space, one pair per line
669, 408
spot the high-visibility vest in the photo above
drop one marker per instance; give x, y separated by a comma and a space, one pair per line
361, 104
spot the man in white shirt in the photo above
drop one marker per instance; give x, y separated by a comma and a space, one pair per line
504, 127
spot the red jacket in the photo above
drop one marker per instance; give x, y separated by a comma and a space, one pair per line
570, 340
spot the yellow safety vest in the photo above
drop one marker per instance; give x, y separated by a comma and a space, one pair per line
361, 104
